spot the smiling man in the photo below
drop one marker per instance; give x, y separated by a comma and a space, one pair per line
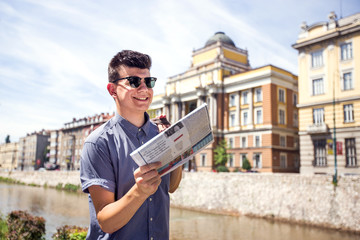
126, 201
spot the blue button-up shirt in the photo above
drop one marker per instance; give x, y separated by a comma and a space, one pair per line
106, 161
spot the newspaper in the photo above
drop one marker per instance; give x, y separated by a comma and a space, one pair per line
177, 144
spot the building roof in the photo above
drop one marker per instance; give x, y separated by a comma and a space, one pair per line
220, 37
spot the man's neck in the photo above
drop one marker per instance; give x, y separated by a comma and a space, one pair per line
136, 119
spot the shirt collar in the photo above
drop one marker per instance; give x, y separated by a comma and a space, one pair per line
125, 124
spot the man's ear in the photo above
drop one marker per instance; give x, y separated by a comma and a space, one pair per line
111, 89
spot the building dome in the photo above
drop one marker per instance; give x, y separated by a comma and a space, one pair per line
220, 36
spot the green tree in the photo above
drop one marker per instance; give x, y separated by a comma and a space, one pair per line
221, 155
246, 164
7, 139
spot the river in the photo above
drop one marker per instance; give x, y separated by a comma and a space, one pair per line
63, 208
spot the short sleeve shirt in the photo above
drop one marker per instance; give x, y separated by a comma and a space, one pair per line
106, 161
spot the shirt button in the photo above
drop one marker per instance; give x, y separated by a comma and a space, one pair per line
139, 129
142, 142
150, 199
151, 238
151, 219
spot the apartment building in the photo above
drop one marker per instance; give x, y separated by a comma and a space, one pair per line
254, 110
329, 95
33, 150
66, 144
8, 156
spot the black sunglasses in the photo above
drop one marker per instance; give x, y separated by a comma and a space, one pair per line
135, 81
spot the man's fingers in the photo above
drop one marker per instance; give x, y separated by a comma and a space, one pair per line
147, 168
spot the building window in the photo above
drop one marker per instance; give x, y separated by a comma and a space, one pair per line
296, 119
348, 113
203, 159
259, 118
295, 99
257, 141
283, 141
348, 81
243, 142
257, 160
232, 100
231, 160
231, 142
346, 51
350, 152
317, 59
318, 116
258, 95
245, 97
317, 86
281, 95
245, 118
283, 162
232, 119
320, 153
281, 116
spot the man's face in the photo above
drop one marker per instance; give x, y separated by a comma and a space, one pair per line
133, 100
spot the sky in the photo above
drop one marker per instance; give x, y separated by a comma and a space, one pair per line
54, 53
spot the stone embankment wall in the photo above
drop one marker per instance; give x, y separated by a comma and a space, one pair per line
49, 178
291, 197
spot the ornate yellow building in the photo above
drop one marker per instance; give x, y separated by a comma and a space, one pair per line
254, 110
329, 95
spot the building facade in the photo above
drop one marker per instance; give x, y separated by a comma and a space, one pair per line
254, 110
329, 100
8, 156
66, 144
33, 150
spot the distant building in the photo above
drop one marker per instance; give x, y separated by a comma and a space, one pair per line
8, 156
329, 100
254, 110
33, 150
66, 144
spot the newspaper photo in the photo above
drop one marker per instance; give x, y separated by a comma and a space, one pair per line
179, 143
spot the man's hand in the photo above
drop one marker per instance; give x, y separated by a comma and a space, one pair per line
161, 122
147, 178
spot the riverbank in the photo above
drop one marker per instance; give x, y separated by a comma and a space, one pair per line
311, 200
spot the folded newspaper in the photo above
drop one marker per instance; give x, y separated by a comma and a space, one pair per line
178, 143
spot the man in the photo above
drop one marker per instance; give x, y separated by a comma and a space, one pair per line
126, 201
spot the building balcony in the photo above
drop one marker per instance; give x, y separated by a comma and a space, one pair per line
317, 128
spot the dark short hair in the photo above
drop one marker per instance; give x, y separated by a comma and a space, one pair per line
127, 58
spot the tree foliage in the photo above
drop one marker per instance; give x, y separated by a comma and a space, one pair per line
7, 139
221, 155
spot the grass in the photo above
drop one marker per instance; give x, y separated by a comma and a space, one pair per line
68, 187
3, 228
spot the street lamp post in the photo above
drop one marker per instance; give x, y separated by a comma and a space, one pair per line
334, 145
335, 179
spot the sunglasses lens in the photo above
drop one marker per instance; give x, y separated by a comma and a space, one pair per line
134, 81
150, 82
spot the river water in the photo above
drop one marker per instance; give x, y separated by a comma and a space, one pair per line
62, 208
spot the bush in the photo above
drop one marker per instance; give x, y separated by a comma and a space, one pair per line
70, 233
71, 187
22, 225
68, 187
59, 186
246, 164
222, 169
